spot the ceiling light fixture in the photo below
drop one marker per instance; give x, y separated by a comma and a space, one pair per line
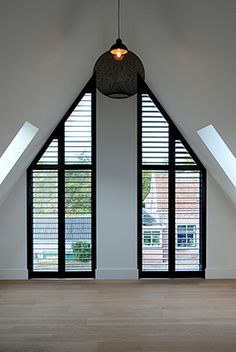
117, 70
118, 50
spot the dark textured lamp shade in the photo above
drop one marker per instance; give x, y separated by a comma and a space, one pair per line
118, 79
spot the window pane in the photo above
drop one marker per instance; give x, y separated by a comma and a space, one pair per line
78, 220
187, 221
78, 135
155, 220
50, 156
182, 156
45, 220
155, 134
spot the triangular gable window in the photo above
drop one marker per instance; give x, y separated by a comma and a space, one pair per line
171, 184
61, 194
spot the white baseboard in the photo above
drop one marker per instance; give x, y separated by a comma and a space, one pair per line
221, 273
119, 274
13, 274
116, 274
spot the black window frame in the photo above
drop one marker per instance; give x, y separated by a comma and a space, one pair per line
174, 135
58, 133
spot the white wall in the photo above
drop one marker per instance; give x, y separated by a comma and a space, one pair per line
48, 49
221, 233
116, 188
116, 207
188, 47
116, 199
13, 241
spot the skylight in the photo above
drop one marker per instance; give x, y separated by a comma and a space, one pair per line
16, 148
220, 151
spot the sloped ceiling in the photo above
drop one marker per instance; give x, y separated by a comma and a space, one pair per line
188, 47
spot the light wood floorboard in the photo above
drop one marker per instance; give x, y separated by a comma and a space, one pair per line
117, 316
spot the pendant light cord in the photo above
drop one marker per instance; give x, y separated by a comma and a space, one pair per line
118, 18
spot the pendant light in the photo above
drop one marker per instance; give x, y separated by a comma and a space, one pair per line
117, 70
118, 50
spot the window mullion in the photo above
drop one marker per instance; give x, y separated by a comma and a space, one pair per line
171, 201
61, 202
94, 177
30, 220
139, 181
202, 223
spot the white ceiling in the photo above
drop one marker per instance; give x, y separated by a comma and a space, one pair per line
188, 47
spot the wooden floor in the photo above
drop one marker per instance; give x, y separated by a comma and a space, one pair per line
115, 316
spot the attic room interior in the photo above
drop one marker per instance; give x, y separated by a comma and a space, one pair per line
117, 175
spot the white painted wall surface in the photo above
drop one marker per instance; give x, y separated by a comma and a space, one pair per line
13, 237
47, 56
116, 207
221, 234
116, 188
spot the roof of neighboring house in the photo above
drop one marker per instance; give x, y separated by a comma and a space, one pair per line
148, 219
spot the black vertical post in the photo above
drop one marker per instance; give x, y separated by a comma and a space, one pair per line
94, 170
139, 176
61, 204
29, 223
203, 221
171, 201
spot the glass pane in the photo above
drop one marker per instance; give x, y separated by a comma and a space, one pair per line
155, 134
78, 220
50, 156
187, 218
78, 135
45, 220
155, 220
182, 156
